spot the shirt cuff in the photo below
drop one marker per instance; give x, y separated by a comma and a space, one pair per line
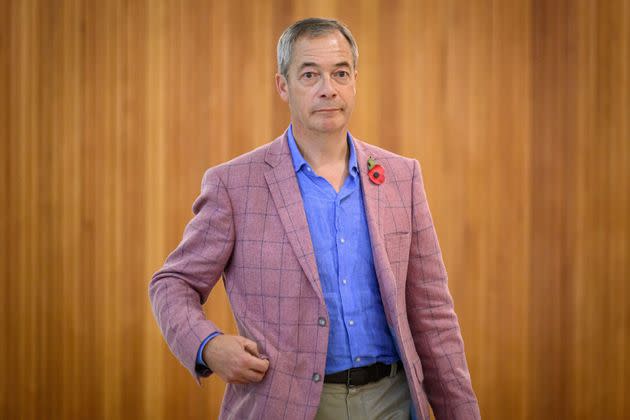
201, 366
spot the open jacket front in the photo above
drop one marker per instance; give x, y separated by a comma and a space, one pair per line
249, 224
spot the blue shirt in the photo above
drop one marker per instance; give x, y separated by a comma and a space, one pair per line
359, 334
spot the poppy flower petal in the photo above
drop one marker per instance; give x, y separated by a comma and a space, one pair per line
377, 174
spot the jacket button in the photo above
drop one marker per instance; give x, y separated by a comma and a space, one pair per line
321, 321
316, 377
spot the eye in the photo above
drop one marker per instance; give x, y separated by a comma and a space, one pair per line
309, 75
342, 73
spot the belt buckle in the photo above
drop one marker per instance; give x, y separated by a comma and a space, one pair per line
357, 373
348, 378
393, 369
350, 372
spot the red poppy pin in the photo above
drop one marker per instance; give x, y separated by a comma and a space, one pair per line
376, 173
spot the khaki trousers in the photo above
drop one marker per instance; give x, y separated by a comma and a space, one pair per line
388, 399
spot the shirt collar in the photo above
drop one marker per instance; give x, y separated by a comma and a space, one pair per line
299, 161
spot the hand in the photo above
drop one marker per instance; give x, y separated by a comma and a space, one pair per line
235, 359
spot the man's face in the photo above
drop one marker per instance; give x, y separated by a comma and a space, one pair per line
321, 86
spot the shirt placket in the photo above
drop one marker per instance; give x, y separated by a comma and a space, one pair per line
344, 258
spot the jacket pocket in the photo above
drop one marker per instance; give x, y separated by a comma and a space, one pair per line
417, 367
397, 246
422, 396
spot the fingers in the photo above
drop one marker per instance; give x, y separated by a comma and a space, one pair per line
252, 370
251, 347
236, 359
253, 376
257, 364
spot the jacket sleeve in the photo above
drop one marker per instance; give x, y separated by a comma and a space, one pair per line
179, 289
432, 318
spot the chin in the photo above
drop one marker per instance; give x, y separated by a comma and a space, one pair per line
329, 126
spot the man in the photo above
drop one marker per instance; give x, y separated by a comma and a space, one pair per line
330, 261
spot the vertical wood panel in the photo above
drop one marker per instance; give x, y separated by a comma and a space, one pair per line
553, 89
111, 111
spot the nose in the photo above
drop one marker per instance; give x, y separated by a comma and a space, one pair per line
327, 89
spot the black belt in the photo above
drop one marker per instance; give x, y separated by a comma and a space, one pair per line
363, 375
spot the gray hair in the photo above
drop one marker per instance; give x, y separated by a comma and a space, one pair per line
311, 27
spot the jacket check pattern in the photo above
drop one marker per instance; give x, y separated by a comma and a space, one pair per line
250, 228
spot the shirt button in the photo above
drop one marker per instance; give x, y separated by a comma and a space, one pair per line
351, 322
308, 169
357, 359
343, 240
321, 321
316, 377
344, 281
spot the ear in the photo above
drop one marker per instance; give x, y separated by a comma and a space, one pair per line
282, 86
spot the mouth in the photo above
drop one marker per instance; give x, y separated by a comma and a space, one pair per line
328, 110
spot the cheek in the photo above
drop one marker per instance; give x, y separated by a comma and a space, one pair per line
299, 105
349, 96
299, 99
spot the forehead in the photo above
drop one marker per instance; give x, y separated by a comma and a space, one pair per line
324, 50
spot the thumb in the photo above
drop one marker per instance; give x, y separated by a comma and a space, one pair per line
251, 347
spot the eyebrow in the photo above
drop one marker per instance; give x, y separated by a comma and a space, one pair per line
311, 64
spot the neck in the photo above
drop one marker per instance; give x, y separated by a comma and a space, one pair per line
322, 149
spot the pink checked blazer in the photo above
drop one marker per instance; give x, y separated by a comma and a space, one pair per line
250, 228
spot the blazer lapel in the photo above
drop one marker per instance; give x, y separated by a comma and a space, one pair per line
374, 201
285, 191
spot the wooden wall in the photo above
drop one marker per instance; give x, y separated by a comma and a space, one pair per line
111, 110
